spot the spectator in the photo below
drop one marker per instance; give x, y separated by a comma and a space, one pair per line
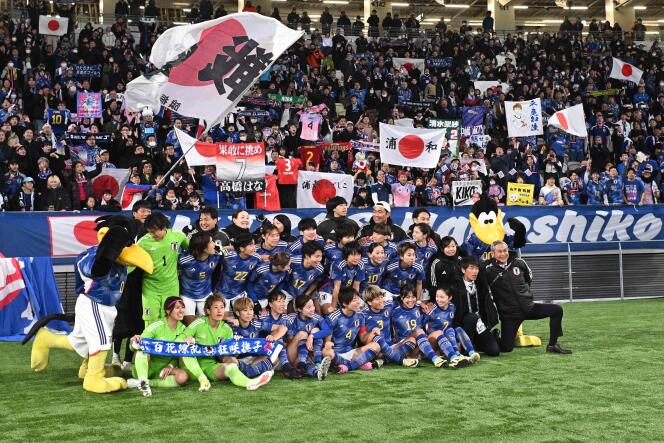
550, 194
55, 197
487, 22
381, 215
326, 21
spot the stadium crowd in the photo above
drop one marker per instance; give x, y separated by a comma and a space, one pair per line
353, 85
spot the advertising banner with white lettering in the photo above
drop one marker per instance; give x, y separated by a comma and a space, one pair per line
415, 147
241, 167
524, 118
463, 191
314, 189
452, 129
548, 229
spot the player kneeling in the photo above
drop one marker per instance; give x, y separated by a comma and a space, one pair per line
208, 331
438, 324
378, 315
308, 330
347, 324
156, 370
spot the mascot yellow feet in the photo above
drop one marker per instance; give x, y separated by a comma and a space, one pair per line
94, 379
109, 370
46, 340
525, 341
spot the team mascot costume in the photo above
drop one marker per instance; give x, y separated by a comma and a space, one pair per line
486, 220
101, 272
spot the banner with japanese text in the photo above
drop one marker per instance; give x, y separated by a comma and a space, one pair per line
241, 167
452, 129
520, 194
415, 147
524, 118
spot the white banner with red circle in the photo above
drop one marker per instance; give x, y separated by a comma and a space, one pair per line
314, 189
71, 235
416, 147
49, 25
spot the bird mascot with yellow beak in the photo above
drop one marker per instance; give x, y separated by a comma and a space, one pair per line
101, 273
486, 220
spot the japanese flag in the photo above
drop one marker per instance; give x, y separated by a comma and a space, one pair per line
53, 25
71, 235
408, 63
624, 71
314, 189
415, 147
211, 65
197, 153
110, 178
571, 120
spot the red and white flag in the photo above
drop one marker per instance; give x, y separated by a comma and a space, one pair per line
571, 120
209, 66
110, 178
202, 154
408, 63
414, 147
71, 235
624, 71
314, 189
53, 25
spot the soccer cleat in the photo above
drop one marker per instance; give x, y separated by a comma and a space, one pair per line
133, 383
557, 349
377, 363
342, 369
459, 362
440, 362
144, 387
323, 367
205, 384
126, 366
261, 380
115, 361
474, 357
410, 362
366, 366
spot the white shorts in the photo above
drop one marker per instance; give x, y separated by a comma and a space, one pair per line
93, 327
194, 307
425, 295
229, 301
263, 302
289, 297
348, 355
389, 296
324, 298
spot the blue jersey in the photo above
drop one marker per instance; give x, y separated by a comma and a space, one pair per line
346, 274
475, 246
282, 246
264, 280
345, 329
58, 119
633, 190
595, 192
381, 320
406, 321
614, 190
423, 253
299, 324
373, 273
105, 290
295, 248
396, 276
573, 190
196, 276
302, 278
252, 330
389, 248
333, 253
439, 319
268, 322
233, 281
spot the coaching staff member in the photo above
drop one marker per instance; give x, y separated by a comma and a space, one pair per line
509, 278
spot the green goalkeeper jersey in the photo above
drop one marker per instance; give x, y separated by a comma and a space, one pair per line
164, 253
201, 330
160, 330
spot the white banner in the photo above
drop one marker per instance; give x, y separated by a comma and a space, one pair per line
314, 189
415, 147
408, 63
71, 235
483, 85
463, 191
112, 179
524, 118
202, 154
49, 25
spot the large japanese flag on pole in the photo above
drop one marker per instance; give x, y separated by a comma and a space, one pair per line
203, 154
206, 68
415, 147
110, 178
408, 63
524, 118
624, 71
53, 25
571, 120
314, 189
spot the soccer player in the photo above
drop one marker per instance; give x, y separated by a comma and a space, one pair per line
423, 238
374, 266
156, 370
381, 234
403, 271
306, 272
163, 246
378, 314
438, 324
344, 234
237, 265
307, 228
208, 331
308, 330
252, 366
196, 269
267, 278
271, 243
348, 324
349, 272
408, 323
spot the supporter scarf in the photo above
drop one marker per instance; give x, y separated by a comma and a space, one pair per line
254, 346
44, 174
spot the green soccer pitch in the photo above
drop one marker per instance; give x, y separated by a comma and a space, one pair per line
610, 389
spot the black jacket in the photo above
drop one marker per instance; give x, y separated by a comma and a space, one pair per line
510, 286
398, 234
328, 227
443, 271
219, 237
487, 309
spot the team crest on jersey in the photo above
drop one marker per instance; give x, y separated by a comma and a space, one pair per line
310, 277
174, 246
357, 323
308, 328
211, 265
417, 313
516, 271
386, 314
411, 276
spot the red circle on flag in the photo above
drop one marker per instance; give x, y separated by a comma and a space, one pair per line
411, 146
562, 120
103, 183
53, 25
626, 70
84, 233
322, 191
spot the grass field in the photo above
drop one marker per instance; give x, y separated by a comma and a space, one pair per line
610, 389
